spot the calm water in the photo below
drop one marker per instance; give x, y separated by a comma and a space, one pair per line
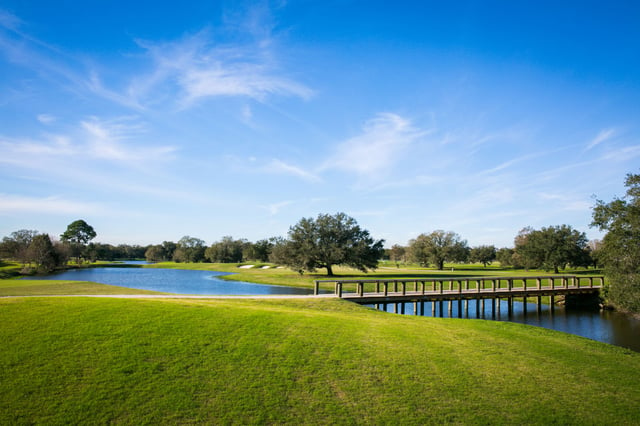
174, 281
605, 326
609, 327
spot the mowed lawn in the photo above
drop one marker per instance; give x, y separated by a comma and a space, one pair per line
319, 361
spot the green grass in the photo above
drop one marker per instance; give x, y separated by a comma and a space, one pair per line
312, 361
24, 287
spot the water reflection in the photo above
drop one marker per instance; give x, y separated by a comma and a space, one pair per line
605, 326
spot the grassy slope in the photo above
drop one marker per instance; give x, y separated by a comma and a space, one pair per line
71, 360
57, 287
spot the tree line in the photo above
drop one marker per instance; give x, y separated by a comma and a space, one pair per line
330, 240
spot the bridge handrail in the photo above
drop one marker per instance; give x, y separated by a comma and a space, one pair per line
478, 279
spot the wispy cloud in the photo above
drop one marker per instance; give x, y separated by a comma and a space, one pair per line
199, 68
384, 139
51, 205
275, 208
603, 135
106, 140
566, 202
623, 154
280, 167
46, 118
185, 71
110, 140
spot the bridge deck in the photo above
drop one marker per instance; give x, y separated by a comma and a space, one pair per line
373, 291
488, 293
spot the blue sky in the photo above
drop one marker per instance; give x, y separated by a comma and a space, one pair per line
155, 120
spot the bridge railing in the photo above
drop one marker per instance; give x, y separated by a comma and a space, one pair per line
459, 284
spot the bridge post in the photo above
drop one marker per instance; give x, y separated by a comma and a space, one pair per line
423, 290
339, 284
441, 286
360, 289
404, 289
553, 283
395, 286
415, 285
538, 283
378, 286
459, 286
478, 284
493, 285
386, 288
316, 287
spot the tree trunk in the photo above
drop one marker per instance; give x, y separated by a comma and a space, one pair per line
441, 264
329, 270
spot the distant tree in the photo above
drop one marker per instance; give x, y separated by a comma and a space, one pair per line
518, 259
169, 248
42, 252
505, 257
438, 247
595, 247
620, 251
553, 247
483, 254
15, 246
155, 253
279, 251
259, 251
398, 254
77, 235
327, 241
226, 250
189, 249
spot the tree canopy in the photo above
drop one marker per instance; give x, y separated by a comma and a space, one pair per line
189, 249
620, 249
553, 247
483, 254
77, 235
327, 241
438, 247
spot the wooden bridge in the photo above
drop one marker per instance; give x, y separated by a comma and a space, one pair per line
419, 290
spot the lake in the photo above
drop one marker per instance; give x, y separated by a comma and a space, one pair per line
605, 326
176, 281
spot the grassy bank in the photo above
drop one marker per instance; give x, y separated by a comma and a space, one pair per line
25, 287
77, 360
